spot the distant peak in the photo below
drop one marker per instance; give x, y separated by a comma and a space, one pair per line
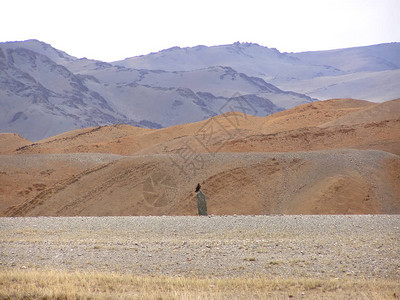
171, 49
245, 44
35, 41
42, 48
30, 41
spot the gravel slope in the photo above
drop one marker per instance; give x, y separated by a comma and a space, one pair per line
343, 181
308, 246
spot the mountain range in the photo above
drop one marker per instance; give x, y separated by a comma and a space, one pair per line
45, 91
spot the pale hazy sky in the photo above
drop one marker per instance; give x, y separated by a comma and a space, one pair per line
114, 30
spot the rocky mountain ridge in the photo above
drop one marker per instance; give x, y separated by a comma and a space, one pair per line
45, 91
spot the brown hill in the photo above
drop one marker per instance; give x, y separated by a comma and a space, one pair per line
303, 128
376, 113
321, 182
315, 126
128, 140
22, 177
101, 139
312, 114
11, 141
291, 162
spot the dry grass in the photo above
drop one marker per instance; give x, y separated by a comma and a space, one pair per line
53, 284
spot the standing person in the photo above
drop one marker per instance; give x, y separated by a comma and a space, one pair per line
201, 201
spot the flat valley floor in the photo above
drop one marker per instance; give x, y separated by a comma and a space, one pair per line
359, 252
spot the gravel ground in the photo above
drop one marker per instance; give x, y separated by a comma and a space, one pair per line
308, 246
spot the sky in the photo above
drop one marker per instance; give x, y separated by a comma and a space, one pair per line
117, 29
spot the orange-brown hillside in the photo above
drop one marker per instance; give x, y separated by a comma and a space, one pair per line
339, 123
11, 141
332, 157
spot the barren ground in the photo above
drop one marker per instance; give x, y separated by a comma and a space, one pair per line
300, 246
236, 257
